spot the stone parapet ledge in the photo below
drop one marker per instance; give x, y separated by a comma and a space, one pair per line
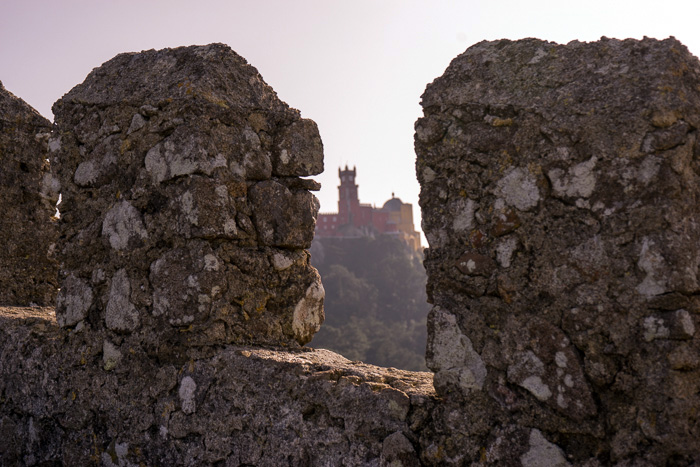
74, 399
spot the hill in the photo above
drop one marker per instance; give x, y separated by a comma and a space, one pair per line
376, 304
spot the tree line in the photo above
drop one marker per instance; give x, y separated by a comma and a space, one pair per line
376, 304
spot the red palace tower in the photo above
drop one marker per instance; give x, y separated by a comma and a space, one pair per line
354, 219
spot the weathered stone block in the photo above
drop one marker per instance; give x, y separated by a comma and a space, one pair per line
28, 196
180, 180
560, 188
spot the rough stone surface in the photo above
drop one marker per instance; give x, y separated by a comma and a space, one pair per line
76, 400
560, 189
28, 196
559, 194
181, 194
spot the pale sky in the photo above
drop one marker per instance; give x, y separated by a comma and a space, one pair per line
356, 67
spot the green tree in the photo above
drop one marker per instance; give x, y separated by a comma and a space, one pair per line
350, 295
376, 305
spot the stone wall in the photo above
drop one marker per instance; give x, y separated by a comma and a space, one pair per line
65, 402
28, 196
560, 188
184, 217
184, 224
559, 195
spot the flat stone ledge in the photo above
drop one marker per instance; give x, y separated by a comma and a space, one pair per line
74, 397
41, 318
42, 321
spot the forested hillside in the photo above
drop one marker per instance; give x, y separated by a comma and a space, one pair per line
375, 301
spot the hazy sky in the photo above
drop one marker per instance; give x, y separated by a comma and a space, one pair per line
356, 67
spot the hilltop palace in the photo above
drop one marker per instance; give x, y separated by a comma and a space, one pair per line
360, 220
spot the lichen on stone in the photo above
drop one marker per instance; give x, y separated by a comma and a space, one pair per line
173, 181
576, 281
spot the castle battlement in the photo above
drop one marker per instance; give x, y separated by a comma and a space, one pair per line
560, 189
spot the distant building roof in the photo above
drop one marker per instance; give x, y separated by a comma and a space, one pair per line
394, 204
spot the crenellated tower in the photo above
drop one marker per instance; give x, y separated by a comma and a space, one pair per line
348, 200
